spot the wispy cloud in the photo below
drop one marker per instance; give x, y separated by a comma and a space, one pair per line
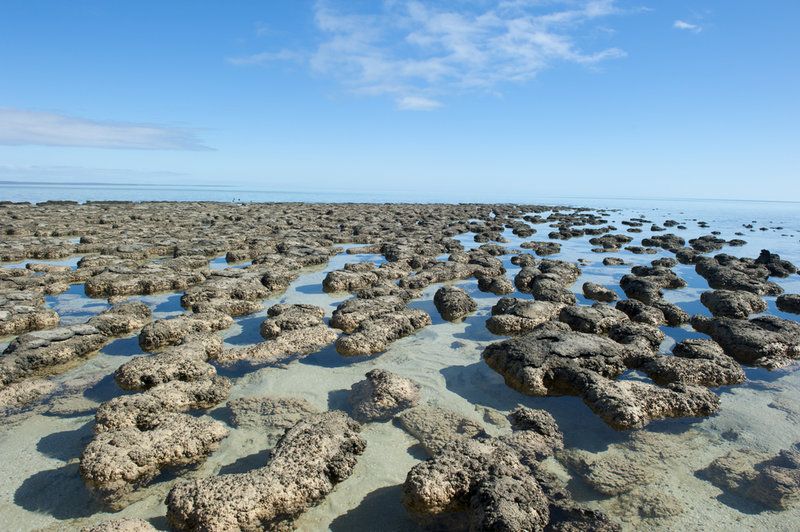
263, 58
26, 127
420, 53
687, 26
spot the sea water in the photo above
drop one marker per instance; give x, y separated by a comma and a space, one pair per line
41, 487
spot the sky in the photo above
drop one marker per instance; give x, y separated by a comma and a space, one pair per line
537, 98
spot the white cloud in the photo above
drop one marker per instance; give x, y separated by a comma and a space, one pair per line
26, 127
266, 57
417, 103
686, 26
418, 53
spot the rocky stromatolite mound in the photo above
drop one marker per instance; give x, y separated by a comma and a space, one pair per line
598, 292
733, 303
23, 311
766, 341
725, 272
172, 331
434, 427
183, 362
499, 285
270, 413
771, 481
789, 303
453, 303
777, 267
597, 319
513, 315
696, 362
55, 350
554, 360
489, 482
284, 318
382, 395
298, 475
117, 462
291, 331
476, 482
374, 335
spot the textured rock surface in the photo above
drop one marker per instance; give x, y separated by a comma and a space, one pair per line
789, 303
766, 341
453, 303
117, 462
172, 331
511, 315
382, 395
54, 350
598, 292
554, 360
771, 481
375, 335
283, 318
270, 413
733, 304
307, 463
121, 525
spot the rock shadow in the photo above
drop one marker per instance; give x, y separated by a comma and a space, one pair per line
58, 492
66, 445
381, 509
247, 463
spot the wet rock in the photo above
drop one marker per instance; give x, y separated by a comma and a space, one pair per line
612, 475
18, 395
554, 360
375, 336
707, 243
382, 395
766, 341
183, 362
435, 427
172, 331
150, 278
288, 344
673, 314
695, 362
613, 261
542, 248
270, 413
453, 303
497, 285
724, 272
789, 303
290, 318
489, 482
118, 462
641, 313
131, 411
55, 350
597, 319
353, 312
24, 311
297, 477
771, 481
631, 332
732, 304
511, 315
776, 266
598, 292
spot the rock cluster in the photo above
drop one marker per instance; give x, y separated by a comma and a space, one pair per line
312, 457
773, 481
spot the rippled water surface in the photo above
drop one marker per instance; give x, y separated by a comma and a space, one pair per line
41, 487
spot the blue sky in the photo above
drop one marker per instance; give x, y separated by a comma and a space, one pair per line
531, 97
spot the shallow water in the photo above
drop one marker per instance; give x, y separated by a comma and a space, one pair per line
41, 486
